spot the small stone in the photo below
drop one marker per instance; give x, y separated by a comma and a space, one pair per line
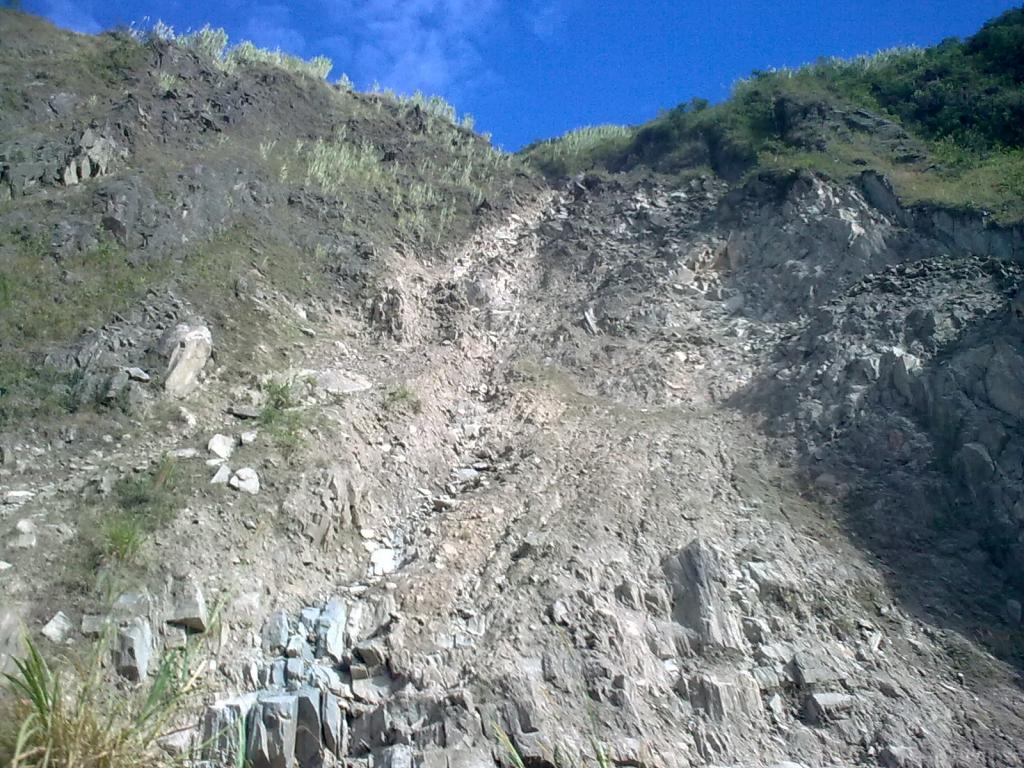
245, 480
5, 566
241, 411
57, 628
137, 374
221, 446
222, 475
184, 453
249, 437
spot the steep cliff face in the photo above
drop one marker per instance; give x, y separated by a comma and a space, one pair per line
638, 470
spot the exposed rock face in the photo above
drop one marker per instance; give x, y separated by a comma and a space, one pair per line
682, 473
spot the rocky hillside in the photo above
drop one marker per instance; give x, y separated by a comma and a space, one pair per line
332, 435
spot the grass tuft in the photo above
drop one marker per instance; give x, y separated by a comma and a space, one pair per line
73, 717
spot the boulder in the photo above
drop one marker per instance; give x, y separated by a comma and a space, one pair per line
188, 607
823, 708
222, 723
697, 577
272, 733
133, 649
309, 729
188, 349
276, 633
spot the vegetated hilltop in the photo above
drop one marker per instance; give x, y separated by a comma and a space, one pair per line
946, 124
330, 435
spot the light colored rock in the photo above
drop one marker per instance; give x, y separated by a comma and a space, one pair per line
335, 725
245, 480
249, 437
188, 349
133, 650
340, 382
188, 606
222, 475
309, 727
24, 535
384, 561
137, 374
221, 446
58, 628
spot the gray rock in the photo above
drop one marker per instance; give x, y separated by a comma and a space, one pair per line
271, 742
94, 625
137, 374
331, 630
222, 725
309, 731
340, 382
24, 536
1004, 381
188, 607
188, 349
733, 698
133, 649
700, 602
823, 708
335, 726
276, 633
221, 476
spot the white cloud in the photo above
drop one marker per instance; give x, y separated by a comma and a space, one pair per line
429, 45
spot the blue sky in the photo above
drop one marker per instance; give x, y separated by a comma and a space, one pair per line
530, 69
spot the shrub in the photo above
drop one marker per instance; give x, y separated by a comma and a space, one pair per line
72, 717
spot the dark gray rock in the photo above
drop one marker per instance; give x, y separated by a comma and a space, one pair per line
271, 742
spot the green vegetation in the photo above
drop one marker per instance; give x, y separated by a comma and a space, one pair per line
143, 503
403, 398
44, 300
581, 149
72, 718
212, 44
962, 103
282, 416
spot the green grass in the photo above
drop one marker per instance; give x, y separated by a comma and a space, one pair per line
963, 101
140, 505
581, 149
282, 417
72, 716
403, 398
